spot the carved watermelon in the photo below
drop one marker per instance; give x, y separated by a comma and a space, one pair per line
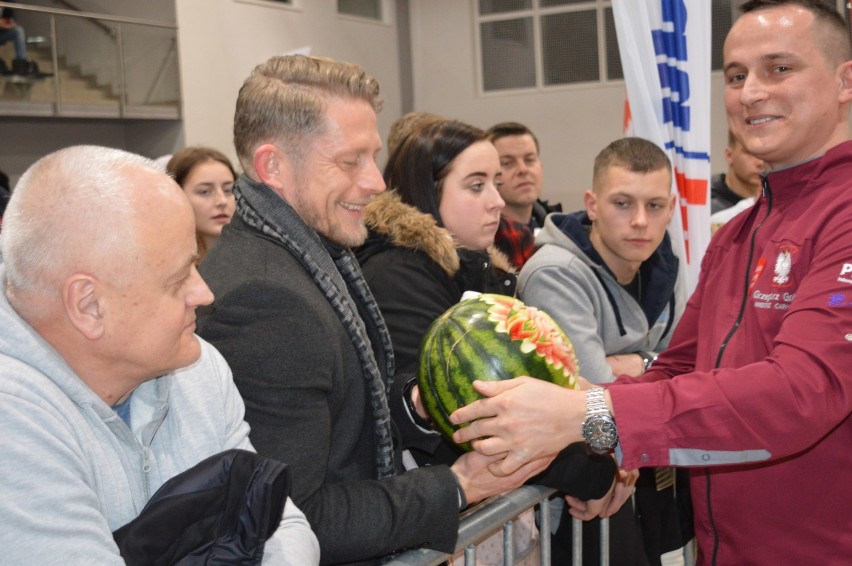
489, 337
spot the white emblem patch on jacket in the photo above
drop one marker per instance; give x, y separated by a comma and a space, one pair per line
783, 263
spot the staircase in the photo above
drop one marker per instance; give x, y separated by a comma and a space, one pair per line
77, 88
85, 94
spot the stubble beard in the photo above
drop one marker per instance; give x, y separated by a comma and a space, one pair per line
325, 226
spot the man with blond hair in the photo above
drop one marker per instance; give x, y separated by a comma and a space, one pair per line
293, 316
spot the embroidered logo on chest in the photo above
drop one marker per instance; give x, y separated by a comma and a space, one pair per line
774, 298
783, 266
783, 263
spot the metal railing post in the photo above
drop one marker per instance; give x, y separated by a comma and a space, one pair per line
54, 57
576, 542
508, 543
544, 531
604, 542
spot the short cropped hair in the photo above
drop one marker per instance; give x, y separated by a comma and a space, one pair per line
634, 154
836, 44
66, 213
418, 167
284, 101
506, 129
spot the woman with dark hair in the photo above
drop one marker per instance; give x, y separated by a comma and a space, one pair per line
430, 233
207, 177
431, 239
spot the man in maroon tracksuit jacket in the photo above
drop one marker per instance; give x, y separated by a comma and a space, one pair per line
754, 393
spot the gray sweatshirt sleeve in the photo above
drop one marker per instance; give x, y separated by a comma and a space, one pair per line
567, 292
50, 511
294, 543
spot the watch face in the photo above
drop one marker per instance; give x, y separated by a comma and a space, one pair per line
600, 432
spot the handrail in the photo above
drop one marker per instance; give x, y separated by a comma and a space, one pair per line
484, 519
90, 15
107, 30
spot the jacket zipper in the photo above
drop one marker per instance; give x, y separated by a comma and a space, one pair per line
767, 192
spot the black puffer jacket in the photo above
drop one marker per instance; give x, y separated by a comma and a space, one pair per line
220, 511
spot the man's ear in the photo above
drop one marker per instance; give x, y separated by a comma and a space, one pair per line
271, 166
591, 201
672, 205
845, 70
82, 301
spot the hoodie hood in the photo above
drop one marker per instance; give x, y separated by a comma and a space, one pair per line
571, 231
21, 344
659, 271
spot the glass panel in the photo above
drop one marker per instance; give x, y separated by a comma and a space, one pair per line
614, 71
150, 67
363, 8
570, 47
31, 88
508, 54
500, 6
88, 62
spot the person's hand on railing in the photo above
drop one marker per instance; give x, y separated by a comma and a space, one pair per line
621, 490
588, 510
523, 418
625, 485
477, 482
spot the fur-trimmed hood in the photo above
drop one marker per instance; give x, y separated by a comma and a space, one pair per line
401, 224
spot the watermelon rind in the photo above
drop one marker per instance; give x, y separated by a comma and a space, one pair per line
489, 337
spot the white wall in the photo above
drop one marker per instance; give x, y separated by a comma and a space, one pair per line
25, 140
221, 41
572, 124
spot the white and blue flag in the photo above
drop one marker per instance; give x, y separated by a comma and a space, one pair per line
665, 53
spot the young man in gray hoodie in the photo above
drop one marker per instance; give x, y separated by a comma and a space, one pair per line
609, 277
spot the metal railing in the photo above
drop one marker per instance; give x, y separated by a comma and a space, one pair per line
492, 515
131, 71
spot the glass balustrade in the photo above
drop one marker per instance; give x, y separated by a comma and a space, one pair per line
92, 66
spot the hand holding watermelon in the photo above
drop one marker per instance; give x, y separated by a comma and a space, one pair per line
472, 471
522, 418
489, 338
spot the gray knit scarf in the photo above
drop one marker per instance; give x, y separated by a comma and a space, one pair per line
340, 280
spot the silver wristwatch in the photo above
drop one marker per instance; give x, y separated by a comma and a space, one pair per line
599, 427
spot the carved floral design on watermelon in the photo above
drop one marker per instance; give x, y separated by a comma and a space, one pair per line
535, 329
